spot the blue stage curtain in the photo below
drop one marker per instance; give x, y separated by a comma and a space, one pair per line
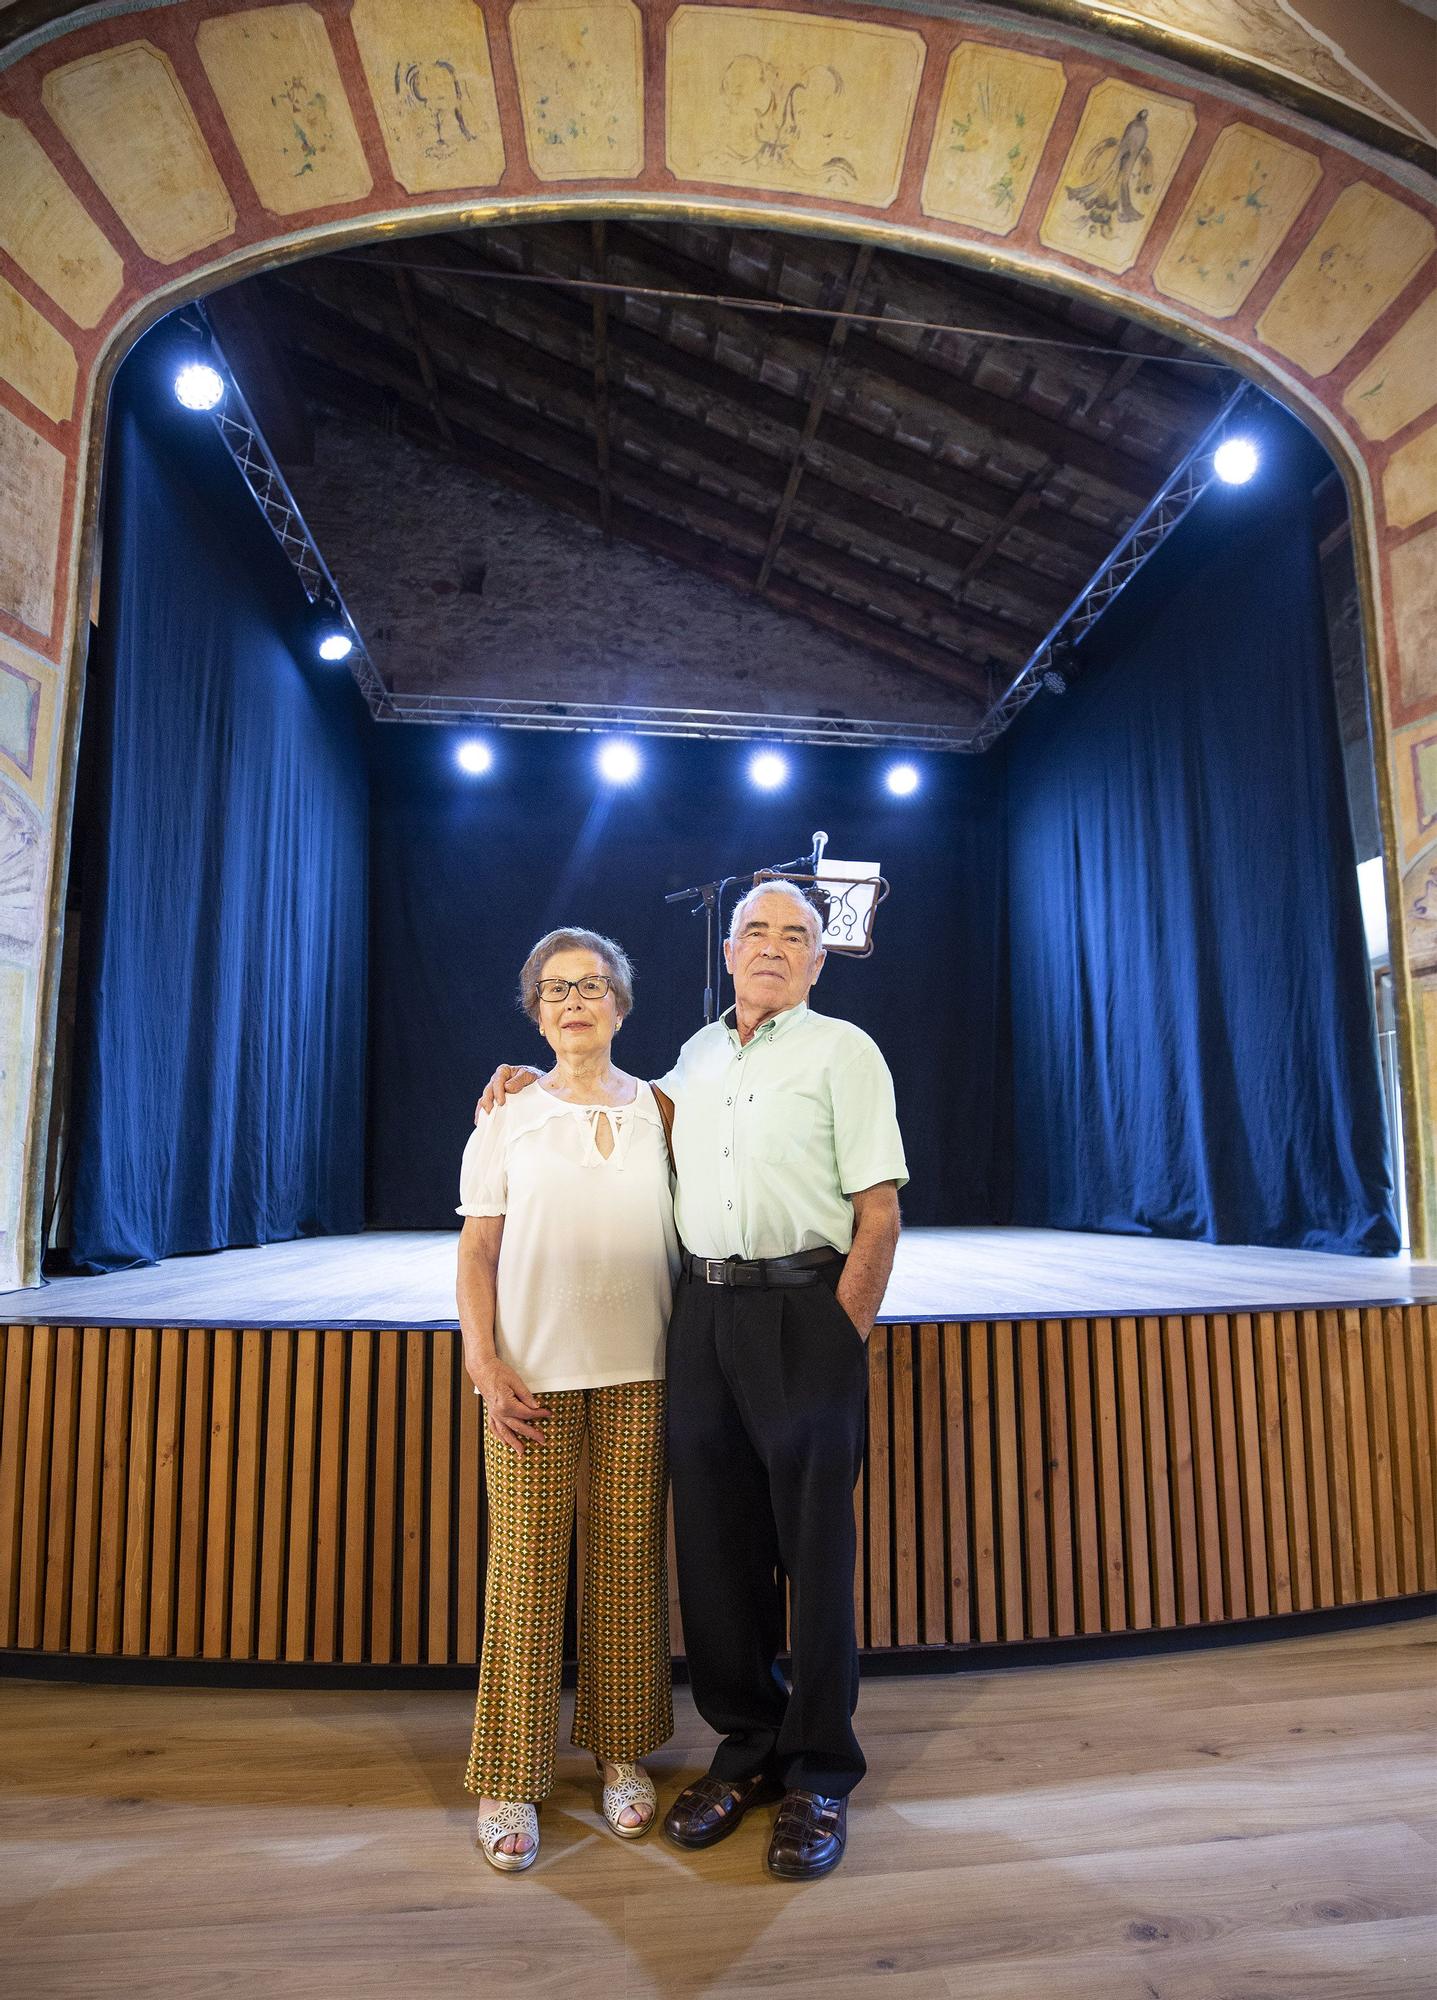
222, 859
1193, 1038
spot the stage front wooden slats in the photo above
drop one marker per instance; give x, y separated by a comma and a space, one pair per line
315, 1494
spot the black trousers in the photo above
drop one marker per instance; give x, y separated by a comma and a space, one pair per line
768, 1402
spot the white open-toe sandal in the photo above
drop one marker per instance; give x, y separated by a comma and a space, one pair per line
633, 1788
512, 1817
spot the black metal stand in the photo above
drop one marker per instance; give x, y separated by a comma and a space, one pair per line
708, 897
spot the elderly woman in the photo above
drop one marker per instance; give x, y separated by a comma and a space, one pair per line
567, 1263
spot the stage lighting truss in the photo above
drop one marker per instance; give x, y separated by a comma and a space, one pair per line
716, 725
1176, 498
245, 443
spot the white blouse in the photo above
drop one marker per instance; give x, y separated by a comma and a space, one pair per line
590, 1254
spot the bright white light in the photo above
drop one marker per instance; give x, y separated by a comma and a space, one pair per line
1235, 460
336, 646
618, 761
768, 770
1374, 907
475, 756
902, 779
198, 386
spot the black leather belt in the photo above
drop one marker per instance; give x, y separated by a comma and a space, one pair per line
800, 1269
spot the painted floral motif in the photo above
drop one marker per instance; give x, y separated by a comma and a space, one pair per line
581, 81
997, 110
785, 125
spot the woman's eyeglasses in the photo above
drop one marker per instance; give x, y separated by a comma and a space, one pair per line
593, 988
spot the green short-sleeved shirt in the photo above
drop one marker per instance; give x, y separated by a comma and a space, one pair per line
772, 1139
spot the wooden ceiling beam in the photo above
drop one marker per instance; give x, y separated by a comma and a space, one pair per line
601, 382
934, 647
883, 472
524, 378
404, 286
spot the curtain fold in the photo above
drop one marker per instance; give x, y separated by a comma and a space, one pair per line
1194, 1047
222, 867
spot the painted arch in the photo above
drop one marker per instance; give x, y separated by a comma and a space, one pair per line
153, 154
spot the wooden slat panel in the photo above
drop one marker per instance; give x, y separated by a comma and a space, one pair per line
880, 1537
1297, 1480
88, 1472
1009, 1511
329, 1515
1187, 1580
1254, 1523
955, 1471
1209, 1507
1083, 1446
1359, 1455
1399, 1411
386, 1444
1334, 1383
114, 1482
1313, 1339
1110, 1477
139, 1521
194, 1459
412, 1526
930, 1434
1379, 1433
12, 1473
1420, 1354
219, 1495
60, 1523
356, 1500
441, 1423
274, 1506
1160, 1502
980, 1460
1060, 1507
249, 1429
299, 1563
35, 1488
1273, 1459
1227, 1460
1036, 1549
1135, 1484
905, 1529
164, 1530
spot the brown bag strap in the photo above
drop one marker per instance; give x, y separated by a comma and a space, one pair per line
666, 1113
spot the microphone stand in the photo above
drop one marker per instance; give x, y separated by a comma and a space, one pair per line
708, 897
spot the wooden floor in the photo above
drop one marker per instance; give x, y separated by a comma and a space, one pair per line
1254, 1822
406, 1278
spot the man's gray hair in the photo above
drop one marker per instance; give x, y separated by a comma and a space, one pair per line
615, 960
789, 889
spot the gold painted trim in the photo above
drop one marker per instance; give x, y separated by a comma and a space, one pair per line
767, 212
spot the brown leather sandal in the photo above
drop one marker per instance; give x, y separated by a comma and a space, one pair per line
709, 1809
809, 1836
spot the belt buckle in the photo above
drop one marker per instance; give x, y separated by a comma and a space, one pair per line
714, 1269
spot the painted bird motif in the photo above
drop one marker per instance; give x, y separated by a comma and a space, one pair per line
1107, 196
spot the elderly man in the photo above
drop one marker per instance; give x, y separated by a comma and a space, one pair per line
789, 1162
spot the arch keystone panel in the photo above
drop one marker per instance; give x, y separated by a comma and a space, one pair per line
997, 110
432, 82
580, 67
1365, 251
796, 103
127, 118
274, 73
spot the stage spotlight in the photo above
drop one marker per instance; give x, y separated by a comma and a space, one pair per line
198, 386
902, 780
768, 770
336, 646
618, 761
1235, 461
475, 757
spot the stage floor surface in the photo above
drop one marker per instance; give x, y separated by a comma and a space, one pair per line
399, 1279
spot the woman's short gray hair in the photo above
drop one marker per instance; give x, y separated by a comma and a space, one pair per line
615, 958
789, 889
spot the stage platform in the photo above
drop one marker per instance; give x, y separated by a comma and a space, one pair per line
406, 1279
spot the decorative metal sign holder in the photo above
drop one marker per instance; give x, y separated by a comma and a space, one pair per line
846, 902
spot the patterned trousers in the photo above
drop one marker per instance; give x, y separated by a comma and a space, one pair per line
624, 1707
